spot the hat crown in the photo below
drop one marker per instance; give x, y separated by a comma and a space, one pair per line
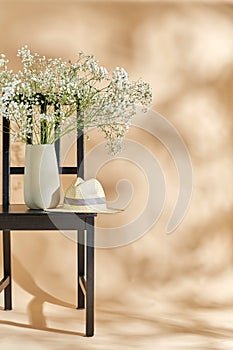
81, 189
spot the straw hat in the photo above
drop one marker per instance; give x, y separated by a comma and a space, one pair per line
85, 197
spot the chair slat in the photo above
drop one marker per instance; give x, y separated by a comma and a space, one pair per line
80, 154
80, 150
65, 170
44, 135
5, 164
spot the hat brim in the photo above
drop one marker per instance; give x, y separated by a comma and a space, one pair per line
100, 208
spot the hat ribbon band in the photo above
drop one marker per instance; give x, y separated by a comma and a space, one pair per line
88, 201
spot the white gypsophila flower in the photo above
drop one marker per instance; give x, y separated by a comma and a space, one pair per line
47, 93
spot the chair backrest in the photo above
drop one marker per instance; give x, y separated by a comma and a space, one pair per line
8, 170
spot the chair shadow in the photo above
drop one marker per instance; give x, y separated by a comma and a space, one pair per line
35, 307
52, 330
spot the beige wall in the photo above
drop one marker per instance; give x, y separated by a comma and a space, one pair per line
185, 280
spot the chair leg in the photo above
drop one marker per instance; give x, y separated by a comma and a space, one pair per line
90, 278
81, 267
7, 269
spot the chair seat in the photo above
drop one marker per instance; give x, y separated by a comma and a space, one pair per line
19, 217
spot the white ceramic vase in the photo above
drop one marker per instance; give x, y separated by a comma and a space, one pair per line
41, 178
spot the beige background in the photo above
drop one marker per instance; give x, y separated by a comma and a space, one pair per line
160, 292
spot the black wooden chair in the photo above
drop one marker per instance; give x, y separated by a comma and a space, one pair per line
17, 217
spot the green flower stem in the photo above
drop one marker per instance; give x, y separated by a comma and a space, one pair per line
29, 134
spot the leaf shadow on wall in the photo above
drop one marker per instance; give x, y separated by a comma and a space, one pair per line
167, 326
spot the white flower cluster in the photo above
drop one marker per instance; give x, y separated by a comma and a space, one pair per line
41, 100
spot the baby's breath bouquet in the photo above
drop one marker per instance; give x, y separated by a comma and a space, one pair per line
42, 99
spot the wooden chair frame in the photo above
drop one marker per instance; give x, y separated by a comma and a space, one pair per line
15, 217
